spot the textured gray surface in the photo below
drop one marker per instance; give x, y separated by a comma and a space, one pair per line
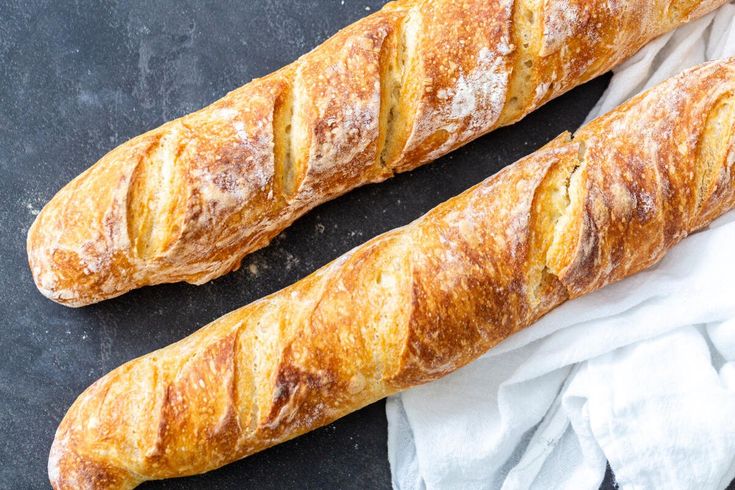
77, 79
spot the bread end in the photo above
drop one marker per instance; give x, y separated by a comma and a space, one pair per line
68, 470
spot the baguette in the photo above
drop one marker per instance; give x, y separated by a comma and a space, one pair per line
187, 201
416, 303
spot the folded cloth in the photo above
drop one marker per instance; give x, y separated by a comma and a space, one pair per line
640, 374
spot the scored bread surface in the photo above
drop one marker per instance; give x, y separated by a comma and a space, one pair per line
417, 303
188, 200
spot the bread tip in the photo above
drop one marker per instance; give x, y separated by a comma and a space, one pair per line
67, 470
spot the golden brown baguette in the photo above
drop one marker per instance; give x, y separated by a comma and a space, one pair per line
420, 301
187, 201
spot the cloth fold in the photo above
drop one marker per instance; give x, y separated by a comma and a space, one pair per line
640, 374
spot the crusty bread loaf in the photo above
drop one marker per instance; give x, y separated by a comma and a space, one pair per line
420, 301
187, 201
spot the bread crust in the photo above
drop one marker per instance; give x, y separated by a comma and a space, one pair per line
187, 201
418, 302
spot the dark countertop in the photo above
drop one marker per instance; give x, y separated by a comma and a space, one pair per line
77, 79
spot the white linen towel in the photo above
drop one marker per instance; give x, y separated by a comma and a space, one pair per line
640, 373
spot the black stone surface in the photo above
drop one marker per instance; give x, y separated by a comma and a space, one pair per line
77, 78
